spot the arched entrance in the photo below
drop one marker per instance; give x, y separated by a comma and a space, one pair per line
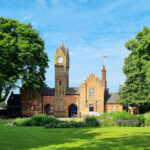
49, 109
73, 110
91, 108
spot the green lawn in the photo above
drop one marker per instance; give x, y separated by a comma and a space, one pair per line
38, 138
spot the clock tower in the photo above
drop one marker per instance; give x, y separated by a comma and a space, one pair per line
61, 79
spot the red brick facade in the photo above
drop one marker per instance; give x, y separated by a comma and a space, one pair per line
91, 98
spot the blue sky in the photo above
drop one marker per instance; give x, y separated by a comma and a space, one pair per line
89, 28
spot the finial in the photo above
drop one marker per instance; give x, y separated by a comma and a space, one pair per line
104, 56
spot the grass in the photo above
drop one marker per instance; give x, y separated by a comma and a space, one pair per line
38, 138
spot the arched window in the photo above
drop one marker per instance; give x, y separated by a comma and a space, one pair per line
91, 108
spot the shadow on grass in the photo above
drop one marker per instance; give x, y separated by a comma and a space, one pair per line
38, 138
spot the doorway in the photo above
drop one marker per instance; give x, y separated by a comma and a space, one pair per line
73, 110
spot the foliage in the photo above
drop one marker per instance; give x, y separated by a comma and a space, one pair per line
147, 119
91, 121
66, 124
136, 89
52, 122
107, 122
3, 104
22, 122
22, 57
121, 119
37, 138
41, 120
128, 123
37, 120
118, 115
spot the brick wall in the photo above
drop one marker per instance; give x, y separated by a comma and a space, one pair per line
116, 107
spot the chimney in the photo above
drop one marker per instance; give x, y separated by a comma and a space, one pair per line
103, 73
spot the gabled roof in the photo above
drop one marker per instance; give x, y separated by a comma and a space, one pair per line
51, 91
91, 77
111, 98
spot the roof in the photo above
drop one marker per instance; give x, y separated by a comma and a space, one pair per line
73, 91
111, 98
51, 91
13, 100
48, 91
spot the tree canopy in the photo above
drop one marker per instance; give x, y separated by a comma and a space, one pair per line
136, 89
22, 56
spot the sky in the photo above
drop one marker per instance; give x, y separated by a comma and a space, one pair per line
89, 28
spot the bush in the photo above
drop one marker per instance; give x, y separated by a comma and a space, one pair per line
53, 124
66, 124
147, 119
128, 123
22, 122
91, 121
107, 122
121, 119
41, 120
37, 120
119, 115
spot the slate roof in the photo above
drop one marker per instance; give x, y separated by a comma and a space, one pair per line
48, 91
73, 91
51, 91
111, 98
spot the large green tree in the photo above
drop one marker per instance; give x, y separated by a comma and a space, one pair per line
22, 57
136, 89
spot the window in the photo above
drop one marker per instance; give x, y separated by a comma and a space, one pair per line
59, 83
91, 92
91, 107
30, 94
51, 108
112, 108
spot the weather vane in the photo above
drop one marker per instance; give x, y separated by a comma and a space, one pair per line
104, 57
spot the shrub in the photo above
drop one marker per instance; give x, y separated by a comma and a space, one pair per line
41, 120
107, 122
91, 121
147, 119
37, 120
22, 122
66, 124
53, 124
121, 119
119, 115
128, 123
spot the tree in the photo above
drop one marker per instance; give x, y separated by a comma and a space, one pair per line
136, 89
22, 57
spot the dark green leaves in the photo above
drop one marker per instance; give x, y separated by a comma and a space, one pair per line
22, 56
136, 89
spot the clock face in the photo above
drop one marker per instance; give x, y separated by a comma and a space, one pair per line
60, 59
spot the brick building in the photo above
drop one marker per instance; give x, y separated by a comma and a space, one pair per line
92, 97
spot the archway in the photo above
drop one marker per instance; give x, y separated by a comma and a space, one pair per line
73, 110
91, 108
49, 109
